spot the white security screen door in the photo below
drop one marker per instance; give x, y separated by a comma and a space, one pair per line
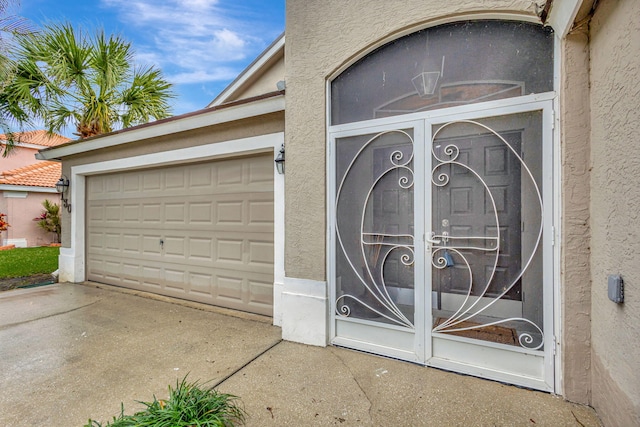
374, 240
489, 245
441, 241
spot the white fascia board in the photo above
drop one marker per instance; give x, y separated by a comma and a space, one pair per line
250, 71
30, 188
562, 15
171, 126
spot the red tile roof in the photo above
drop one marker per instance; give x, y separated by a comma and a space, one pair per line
37, 137
41, 174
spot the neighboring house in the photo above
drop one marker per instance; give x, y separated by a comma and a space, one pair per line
25, 182
461, 181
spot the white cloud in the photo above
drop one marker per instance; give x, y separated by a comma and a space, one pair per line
200, 76
228, 40
193, 41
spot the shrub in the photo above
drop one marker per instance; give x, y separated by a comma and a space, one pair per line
49, 219
4, 224
189, 404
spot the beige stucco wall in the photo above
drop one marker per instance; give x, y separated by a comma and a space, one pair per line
322, 36
615, 209
260, 125
575, 289
265, 82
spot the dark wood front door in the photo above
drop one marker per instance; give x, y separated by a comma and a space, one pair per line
477, 214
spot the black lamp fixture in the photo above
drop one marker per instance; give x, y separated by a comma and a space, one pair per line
280, 161
62, 186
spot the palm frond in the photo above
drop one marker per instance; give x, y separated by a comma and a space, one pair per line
64, 77
147, 97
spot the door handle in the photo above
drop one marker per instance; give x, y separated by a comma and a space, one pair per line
431, 239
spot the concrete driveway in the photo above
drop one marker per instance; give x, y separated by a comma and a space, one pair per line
70, 352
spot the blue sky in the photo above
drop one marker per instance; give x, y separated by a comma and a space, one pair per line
200, 45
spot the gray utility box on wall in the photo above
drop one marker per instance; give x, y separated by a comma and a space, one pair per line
616, 288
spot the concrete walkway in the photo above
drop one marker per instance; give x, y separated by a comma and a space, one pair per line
70, 352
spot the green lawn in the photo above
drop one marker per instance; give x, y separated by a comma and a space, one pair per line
21, 262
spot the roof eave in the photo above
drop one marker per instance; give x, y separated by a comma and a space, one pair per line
27, 188
252, 69
258, 106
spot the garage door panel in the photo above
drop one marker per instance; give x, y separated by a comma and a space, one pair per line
152, 181
201, 248
112, 242
175, 179
212, 215
229, 288
221, 250
113, 184
175, 214
229, 174
131, 183
229, 212
260, 213
261, 293
174, 248
202, 232
151, 245
260, 172
201, 284
112, 213
131, 244
151, 213
151, 279
175, 279
200, 213
228, 250
260, 253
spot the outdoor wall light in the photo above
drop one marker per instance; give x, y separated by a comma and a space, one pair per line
427, 82
62, 186
280, 161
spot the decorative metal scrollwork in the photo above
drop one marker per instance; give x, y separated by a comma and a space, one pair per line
369, 272
470, 309
370, 276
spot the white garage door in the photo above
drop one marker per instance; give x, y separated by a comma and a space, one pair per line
202, 232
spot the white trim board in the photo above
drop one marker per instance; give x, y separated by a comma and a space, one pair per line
562, 15
304, 311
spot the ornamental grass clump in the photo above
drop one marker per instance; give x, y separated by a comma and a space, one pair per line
189, 404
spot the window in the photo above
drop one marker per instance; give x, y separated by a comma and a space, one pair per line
446, 66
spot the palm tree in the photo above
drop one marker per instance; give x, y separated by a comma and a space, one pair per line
65, 78
11, 26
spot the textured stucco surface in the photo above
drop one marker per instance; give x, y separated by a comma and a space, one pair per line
265, 82
323, 36
615, 208
261, 125
575, 277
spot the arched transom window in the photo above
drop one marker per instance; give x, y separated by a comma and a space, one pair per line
446, 66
